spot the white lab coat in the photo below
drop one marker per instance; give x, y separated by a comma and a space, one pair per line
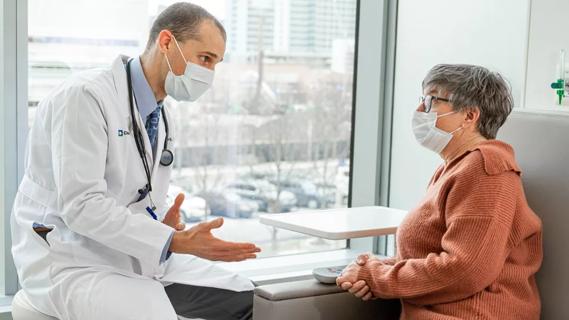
81, 179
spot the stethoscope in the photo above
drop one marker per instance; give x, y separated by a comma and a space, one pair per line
166, 158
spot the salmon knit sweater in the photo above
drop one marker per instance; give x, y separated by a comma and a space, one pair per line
470, 249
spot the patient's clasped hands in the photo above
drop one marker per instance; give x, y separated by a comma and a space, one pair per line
350, 281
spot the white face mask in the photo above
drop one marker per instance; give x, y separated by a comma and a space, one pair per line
427, 133
190, 85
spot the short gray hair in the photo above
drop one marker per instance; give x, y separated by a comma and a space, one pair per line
183, 19
471, 87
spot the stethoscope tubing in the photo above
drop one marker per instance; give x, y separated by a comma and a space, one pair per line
166, 158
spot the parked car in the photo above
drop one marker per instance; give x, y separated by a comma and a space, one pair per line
193, 208
328, 194
229, 204
306, 193
264, 194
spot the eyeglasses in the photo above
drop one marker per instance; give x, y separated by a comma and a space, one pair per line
427, 102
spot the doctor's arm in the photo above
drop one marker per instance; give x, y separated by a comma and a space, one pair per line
79, 139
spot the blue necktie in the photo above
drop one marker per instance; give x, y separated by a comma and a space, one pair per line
152, 126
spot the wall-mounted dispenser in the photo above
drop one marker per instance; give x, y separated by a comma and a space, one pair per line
561, 85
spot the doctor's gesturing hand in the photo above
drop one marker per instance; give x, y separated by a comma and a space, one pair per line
200, 242
172, 218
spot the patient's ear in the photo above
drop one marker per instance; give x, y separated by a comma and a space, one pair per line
472, 115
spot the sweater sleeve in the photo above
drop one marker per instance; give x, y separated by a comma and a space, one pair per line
389, 261
474, 247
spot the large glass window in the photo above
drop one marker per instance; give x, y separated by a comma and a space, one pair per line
271, 136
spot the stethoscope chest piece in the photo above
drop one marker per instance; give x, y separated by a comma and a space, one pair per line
166, 158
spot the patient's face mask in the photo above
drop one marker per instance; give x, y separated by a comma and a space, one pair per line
192, 84
427, 133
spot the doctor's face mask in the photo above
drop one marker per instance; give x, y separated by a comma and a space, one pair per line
190, 85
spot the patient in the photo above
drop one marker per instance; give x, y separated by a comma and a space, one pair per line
470, 249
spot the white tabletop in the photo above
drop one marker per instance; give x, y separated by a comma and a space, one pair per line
339, 224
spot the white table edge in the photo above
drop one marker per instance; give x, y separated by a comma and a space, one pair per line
265, 219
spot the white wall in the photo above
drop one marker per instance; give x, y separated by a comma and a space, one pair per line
548, 35
485, 32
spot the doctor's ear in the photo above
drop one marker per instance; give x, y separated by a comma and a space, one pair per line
164, 40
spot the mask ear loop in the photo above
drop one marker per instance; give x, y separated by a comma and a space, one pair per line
449, 113
446, 114
181, 53
168, 62
180, 49
457, 129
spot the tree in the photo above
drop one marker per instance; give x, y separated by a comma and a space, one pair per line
330, 118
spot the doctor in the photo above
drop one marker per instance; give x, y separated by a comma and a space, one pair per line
93, 237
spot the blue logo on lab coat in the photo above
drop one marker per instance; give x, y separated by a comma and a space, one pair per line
123, 133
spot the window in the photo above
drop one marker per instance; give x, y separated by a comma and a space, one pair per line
273, 133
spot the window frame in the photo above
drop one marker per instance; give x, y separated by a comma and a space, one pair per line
374, 67
14, 85
377, 113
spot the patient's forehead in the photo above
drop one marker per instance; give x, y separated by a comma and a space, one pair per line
435, 91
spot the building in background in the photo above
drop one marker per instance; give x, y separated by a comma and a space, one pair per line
289, 31
56, 50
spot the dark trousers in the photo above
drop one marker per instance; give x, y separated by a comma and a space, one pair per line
210, 303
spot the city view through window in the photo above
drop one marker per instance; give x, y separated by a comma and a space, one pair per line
272, 135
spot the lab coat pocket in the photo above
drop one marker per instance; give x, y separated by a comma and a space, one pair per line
40, 234
45, 200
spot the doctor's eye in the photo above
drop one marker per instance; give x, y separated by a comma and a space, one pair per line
205, 59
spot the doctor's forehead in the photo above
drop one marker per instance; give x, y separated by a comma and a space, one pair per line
210, 39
